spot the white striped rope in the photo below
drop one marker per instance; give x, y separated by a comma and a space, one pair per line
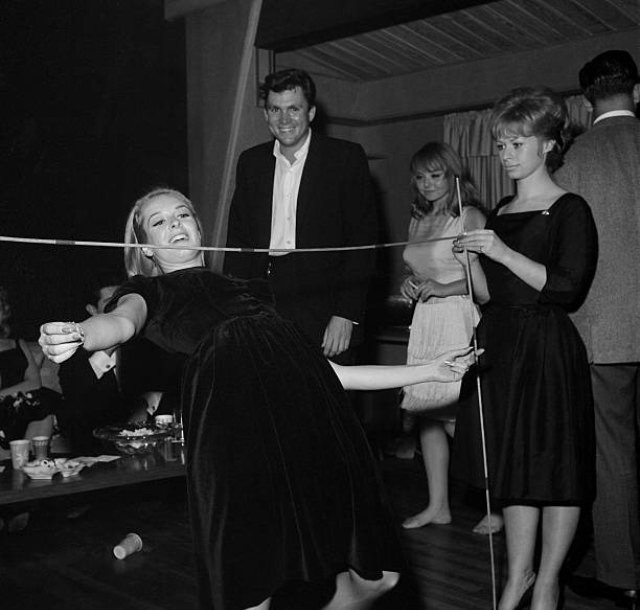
111, 244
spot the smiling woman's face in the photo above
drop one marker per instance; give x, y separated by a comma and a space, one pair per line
166, 220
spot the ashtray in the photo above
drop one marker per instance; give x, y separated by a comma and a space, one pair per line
132, 439
46, 468
40, 469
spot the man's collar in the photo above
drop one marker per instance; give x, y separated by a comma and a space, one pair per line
612, 113
301, 152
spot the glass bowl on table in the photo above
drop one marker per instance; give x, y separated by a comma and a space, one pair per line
135, 439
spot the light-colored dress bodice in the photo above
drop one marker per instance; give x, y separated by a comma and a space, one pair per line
433, 259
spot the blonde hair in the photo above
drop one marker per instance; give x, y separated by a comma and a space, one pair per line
439, 156
135, 262
533, 111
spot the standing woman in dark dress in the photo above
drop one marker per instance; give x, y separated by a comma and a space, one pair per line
282, 485
538, 253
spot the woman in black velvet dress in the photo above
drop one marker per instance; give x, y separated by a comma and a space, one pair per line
282, 485
538, 253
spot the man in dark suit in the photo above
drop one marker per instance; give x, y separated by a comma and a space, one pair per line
92, 396
604, 166
305, 190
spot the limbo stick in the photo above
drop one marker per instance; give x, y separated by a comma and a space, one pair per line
111, 244
485, 465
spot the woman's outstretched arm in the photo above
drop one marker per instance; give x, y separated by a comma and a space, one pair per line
60, 340
447, 367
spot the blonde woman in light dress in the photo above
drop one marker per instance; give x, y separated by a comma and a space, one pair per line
444, 316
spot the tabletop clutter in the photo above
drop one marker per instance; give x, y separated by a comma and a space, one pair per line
163, 437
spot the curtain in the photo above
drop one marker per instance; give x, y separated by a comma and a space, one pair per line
468, 133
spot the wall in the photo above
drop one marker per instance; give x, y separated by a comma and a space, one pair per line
222, 113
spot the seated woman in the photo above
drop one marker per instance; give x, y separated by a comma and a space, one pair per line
282, 484
22, 399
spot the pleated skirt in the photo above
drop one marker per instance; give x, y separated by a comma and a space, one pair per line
537, 406
438, 325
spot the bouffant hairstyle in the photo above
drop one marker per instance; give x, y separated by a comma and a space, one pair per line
135, 262
438, 156
533, 111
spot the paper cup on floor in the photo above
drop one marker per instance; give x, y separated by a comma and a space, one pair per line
131, 543
19, 452
40, 447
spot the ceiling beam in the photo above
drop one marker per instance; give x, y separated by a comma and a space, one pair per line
286, 25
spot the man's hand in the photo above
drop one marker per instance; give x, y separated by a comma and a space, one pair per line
337, 336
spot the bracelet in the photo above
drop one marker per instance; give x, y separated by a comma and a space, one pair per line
77, 328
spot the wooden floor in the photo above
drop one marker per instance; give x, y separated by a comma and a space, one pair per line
63, 561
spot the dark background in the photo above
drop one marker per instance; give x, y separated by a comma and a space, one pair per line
92, 114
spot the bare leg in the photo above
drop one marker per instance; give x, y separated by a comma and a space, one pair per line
435, 454
559, 524
356, 593
265, 605
521, 526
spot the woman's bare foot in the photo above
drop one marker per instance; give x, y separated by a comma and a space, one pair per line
437, 516
492, 524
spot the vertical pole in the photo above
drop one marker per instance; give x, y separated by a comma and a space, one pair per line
485, 464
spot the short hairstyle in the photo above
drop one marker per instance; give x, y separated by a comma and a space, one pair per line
288, 80
533, 111
102, 278
609, 74
435, 156
135, 262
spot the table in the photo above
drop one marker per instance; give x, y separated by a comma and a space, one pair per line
17, 487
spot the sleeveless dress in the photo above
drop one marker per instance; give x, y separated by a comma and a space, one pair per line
15, 415
534, 373
438, 324
282, 484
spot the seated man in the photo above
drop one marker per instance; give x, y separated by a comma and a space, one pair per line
102, 389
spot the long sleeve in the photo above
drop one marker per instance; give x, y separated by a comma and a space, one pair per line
575, 255
360, 228
250, 213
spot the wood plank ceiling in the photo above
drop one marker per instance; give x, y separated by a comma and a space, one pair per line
478, 32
